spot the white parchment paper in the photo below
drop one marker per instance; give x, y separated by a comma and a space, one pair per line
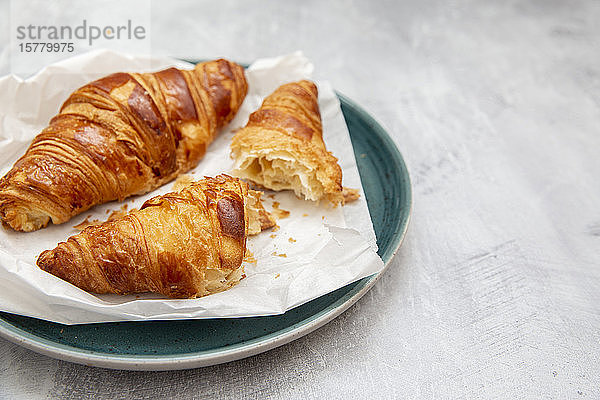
316, 250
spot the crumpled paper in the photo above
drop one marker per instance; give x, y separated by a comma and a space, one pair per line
317, 249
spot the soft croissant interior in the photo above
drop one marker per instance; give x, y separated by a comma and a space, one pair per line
220, 280
279, 170
28, 219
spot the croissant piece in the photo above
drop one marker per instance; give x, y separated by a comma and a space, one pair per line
183, 244
260, 219
281, 147
121, 135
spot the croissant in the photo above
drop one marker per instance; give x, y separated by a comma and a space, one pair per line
121, 135
281, 147
183, 244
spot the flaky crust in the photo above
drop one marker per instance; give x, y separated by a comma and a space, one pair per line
121, 135
282, 146
183, 244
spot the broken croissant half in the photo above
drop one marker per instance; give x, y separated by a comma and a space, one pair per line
183, 244
282, 148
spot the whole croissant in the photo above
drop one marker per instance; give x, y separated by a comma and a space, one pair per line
282, 146
183, 244
121, 135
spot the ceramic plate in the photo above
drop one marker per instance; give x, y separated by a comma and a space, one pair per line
169, 345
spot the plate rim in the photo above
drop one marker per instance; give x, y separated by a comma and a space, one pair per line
235, 351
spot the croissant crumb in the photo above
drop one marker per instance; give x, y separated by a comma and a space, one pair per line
279, 213
350, 195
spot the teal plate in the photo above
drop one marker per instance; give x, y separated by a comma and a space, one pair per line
169, 345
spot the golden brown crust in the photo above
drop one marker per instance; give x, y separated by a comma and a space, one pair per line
282, 146
183, 244
121, 135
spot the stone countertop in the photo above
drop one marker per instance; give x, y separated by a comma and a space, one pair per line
495, 292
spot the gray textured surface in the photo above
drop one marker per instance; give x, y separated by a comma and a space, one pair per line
495, 292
